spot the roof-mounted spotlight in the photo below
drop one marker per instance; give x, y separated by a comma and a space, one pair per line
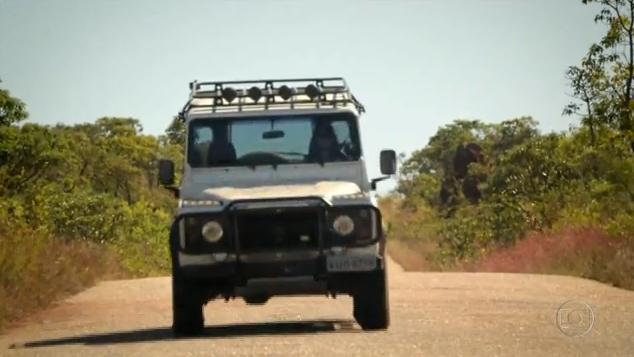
286, 92
254, 93
312, 91
229, 94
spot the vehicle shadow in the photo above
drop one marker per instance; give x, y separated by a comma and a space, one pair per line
217, 331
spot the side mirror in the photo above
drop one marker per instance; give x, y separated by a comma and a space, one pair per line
388, 162
166, 172
388, 167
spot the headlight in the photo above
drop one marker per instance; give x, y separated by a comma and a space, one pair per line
343, 225
212, 232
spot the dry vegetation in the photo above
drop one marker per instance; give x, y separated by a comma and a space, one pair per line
585, 252
413, 256
47, 270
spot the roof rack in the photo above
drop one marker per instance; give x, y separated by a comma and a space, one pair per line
270, 94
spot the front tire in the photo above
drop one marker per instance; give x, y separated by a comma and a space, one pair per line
187, 308
187, 302
371, 302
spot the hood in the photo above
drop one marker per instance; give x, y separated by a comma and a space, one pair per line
324, 189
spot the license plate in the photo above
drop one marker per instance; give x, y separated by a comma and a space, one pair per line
347, 263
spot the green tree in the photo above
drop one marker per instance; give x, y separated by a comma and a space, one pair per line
603, 83
28, 154
437, 156
424, 172
175, 132
12, 110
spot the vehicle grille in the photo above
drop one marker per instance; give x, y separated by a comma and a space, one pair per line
278, 229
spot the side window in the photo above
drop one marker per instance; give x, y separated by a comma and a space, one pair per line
201, 138
342, 130
343, 133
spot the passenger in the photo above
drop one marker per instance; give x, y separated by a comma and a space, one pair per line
324, 146
221, 150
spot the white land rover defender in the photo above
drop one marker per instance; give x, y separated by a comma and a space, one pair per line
275, 200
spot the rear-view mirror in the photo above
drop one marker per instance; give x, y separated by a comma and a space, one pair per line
166, 172
273, 134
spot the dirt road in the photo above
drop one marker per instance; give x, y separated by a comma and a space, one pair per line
432, 314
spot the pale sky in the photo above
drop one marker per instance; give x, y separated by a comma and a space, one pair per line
416, 65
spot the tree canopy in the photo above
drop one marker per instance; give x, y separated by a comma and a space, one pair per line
602, 83
515, 179
12, 110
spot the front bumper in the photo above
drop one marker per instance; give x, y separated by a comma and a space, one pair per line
279, 265
327, 264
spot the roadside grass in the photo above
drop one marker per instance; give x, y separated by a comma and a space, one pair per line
413, 255
565, 252
411, 235
576, 247
588, 253
583, 252
37, 270
46, 259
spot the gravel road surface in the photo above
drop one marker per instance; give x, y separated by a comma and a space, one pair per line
448, 314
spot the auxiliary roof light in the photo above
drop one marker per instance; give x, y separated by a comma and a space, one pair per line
229, 94
286, 92
254, 93
312, 91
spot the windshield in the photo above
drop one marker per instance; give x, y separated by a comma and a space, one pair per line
273, 140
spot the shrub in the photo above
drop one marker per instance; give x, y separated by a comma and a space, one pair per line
142, 240
37, 268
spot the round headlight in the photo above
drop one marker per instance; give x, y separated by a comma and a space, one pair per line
212, 232
343, 225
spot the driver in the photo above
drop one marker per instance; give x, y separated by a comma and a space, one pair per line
324, 146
